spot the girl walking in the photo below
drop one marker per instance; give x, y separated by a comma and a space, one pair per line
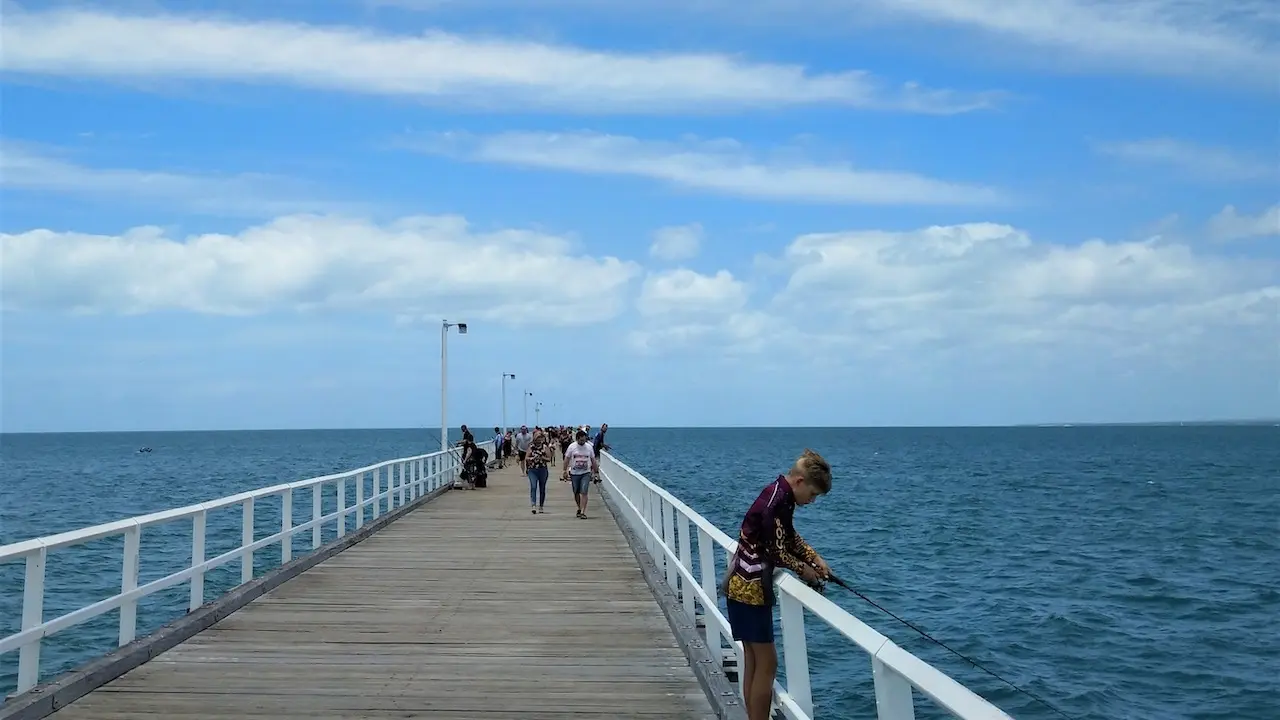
536, 459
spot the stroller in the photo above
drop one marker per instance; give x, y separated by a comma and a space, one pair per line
475, 472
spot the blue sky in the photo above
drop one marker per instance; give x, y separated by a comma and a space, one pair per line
827, 212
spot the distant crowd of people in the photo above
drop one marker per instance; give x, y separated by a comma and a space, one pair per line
536, 452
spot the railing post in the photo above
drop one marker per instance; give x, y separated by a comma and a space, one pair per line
286, 523
418, 477
893, 693
32, 616
377, 493
129, 581
198, 522
686, 561
401, 467
654, 521
359, 500
669, 539
341, 487
316, 512
710, 582
246, 538
795, 652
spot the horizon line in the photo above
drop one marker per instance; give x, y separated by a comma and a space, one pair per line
436, 429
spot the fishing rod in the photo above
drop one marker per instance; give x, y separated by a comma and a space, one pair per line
836, 579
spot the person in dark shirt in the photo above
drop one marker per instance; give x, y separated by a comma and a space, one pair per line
768, 540
599, 445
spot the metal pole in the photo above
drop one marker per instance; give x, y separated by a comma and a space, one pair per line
444, 383
537, 414
525, 400
505, 375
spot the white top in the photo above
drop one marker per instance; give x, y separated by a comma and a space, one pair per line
523, 440
578, 458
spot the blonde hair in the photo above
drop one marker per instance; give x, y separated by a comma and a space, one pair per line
815, 470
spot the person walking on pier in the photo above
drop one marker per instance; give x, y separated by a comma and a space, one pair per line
497, 446
523, 439
535, 460
767, 539
579, 467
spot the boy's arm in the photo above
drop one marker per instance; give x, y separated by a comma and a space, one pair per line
804, 550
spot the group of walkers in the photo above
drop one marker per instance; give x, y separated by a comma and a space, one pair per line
537, 451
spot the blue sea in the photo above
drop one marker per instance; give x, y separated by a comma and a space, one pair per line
1118, 572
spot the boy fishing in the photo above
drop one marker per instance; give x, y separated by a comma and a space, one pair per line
768, 540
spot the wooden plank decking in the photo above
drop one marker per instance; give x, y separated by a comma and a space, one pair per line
468, 607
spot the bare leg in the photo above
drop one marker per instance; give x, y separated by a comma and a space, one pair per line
764, 670
744, 672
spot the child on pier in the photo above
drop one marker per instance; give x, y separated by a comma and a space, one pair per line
768, 540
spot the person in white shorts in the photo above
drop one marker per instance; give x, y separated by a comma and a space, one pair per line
579, 467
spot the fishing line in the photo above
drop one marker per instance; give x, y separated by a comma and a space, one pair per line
833, 578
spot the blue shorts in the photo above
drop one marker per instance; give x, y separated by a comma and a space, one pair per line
581, 483
750, 623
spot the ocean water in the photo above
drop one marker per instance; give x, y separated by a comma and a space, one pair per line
1118, 572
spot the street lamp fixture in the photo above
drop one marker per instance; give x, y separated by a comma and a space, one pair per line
444, 377
505, 375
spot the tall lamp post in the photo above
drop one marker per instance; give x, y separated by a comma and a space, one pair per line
527, 395
444, 377
537, 413
505, 375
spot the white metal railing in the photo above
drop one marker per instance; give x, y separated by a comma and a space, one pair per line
668, 526
394, 483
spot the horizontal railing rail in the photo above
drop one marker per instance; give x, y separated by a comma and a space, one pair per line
668, 528
395, 483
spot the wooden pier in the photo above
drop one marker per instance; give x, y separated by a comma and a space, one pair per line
468, 606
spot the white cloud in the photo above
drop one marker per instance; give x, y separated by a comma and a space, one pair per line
676, 242
990, 288
1194, 161
1188, 38
735, 334
1232, 42
450, 69
1231, 225
308, 262
684, 292
24, 167
682, 309
720, 166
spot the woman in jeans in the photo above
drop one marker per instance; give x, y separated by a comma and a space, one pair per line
536, 467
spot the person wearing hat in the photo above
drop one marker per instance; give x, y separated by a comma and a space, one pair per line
579, 467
